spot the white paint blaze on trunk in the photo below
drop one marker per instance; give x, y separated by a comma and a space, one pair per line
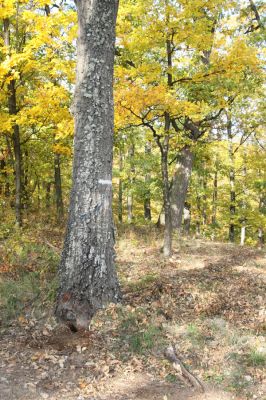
87, 274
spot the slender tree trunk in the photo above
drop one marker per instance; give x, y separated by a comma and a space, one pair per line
204, 197
48, 195
87, 277
187, 218
38, 194
262, 209
167, 246
232, 207
58, 188
215, 195
243, 235
244, 203
180, 184
17, 153
147, 199
131, 154
164, 149
198, 201
12, 107
25, 194
261, 237
168, 230
4, 184
120, 189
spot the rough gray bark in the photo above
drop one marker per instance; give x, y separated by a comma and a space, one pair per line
87, 274
180, 184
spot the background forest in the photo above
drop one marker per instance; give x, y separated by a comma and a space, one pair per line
188, 172
198, 65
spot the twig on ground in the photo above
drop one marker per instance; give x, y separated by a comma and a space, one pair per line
170, 354
56, 249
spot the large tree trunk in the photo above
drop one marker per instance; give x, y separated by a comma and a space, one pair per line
180, 185
87, 274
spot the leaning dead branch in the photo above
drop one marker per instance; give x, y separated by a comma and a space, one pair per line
170, 354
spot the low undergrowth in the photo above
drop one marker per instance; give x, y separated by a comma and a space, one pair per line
206, 300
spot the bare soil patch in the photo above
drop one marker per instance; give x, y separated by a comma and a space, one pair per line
208, 300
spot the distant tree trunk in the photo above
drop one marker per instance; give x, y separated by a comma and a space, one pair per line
12, 108
48, 195
261, 237
180, 184
17, 153
262, 209
131, 154
198, 201
58, 188
120, 189
204, 198
187, 218
4, 184
168, 230
147, 199
167, 246
163, 144
215, 195
244, 202
26, 199
38, 194
243, 235
164, 148
87, 277
232, 207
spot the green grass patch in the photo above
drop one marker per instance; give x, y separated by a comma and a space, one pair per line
256, 359
143, 282
141, 342
28, 291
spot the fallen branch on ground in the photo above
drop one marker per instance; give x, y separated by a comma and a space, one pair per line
170, 354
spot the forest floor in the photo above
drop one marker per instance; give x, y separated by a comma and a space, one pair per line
208, 300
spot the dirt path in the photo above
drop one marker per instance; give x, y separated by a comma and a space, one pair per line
208, 299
